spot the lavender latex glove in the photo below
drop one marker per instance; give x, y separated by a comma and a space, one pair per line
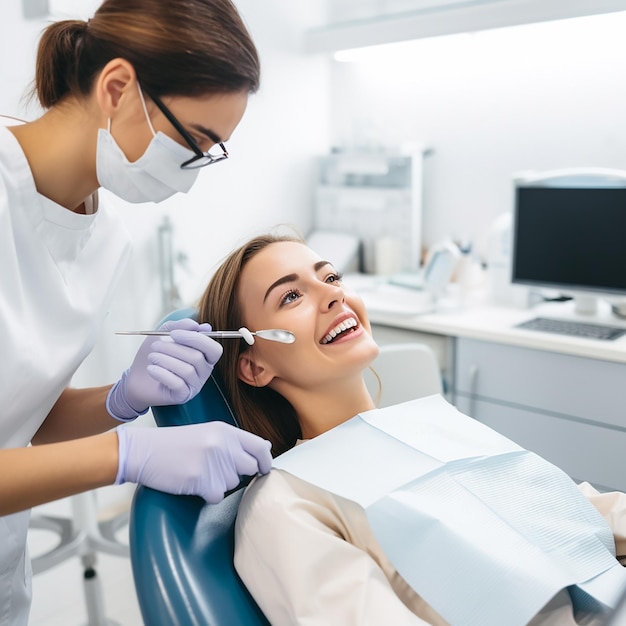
200, 459
166, 370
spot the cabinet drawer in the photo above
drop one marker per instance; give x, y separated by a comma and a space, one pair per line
584, 451
583, 388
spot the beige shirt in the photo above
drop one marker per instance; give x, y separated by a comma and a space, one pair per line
310, 557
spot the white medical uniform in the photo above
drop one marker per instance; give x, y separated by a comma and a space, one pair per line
57, 274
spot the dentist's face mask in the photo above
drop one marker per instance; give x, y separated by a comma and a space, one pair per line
154, 177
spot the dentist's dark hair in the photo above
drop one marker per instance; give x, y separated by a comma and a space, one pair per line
179, 48
260, 410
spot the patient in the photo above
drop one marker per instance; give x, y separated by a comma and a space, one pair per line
306, 555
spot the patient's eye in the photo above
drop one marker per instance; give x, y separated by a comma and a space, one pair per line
335, 277
291, 296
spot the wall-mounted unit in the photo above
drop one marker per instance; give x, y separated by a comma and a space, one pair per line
376, 196
359, 24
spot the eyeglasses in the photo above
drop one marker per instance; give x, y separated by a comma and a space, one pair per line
215, 154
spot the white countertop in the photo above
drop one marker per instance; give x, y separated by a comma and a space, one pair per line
497, 324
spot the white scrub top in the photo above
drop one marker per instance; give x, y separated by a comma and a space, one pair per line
57, 274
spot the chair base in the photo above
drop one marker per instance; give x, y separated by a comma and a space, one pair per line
83, 536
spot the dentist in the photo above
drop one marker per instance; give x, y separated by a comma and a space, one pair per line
136, 100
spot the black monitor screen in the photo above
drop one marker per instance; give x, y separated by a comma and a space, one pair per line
570, 238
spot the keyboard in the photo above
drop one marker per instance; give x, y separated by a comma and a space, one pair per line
574, 329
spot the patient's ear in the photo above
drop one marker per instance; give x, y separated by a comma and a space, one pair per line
251, 373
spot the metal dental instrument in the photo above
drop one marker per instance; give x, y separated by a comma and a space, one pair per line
271, 334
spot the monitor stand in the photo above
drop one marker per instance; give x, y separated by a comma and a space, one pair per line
585, 304
582, 308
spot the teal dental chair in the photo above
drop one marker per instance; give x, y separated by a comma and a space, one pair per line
181, 547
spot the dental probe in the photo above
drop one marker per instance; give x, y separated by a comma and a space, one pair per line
271, 334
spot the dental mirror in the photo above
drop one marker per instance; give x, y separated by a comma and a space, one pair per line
270, 334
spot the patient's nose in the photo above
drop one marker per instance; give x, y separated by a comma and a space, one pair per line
336, 296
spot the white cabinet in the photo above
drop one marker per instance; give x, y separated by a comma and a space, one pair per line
571, 410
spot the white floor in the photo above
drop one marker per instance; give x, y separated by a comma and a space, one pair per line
58, 593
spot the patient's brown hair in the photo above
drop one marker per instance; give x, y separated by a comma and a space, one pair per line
260, 410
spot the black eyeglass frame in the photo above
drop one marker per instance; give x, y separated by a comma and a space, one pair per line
206, 157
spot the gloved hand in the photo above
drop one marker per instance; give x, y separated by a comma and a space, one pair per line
199, 459
166, 370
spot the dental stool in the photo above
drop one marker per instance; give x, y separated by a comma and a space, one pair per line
181, 547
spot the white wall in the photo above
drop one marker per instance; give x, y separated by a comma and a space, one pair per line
18, 40
267, 181
491, 104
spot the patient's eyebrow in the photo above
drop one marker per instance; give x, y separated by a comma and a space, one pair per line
281, 281
289, 278
320, 264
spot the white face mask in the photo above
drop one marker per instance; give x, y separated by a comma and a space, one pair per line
154, 177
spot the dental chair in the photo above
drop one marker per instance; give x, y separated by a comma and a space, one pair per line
182, 548
407, 371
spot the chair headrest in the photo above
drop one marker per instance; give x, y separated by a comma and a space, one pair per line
208, 405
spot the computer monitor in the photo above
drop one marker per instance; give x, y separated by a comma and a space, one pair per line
569, 234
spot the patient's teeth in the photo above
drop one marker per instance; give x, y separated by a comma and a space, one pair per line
341, 327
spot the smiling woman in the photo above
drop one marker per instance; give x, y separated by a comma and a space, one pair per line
278, 390
318, 550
